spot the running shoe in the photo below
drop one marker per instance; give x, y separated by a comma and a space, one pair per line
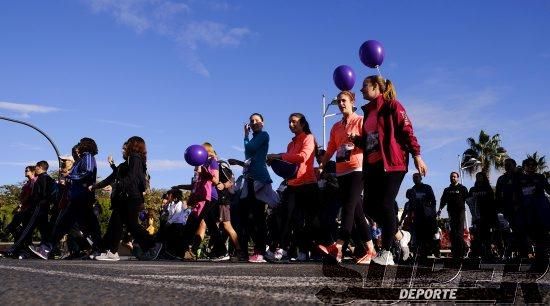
332, 250
270, 256
366, 259
220, 258
108, 256
40, 251
385, 258
404, 244
189, 255
256, 258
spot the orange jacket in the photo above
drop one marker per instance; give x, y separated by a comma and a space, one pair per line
300, 151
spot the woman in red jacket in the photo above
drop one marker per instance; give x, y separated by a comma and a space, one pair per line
387, 140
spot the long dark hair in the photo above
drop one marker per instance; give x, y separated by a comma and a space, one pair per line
136, 144
303, 122
87, 145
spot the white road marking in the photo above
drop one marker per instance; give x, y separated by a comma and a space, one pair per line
244, 293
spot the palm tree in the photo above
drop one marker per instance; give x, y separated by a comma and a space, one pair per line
485, 152
541, 161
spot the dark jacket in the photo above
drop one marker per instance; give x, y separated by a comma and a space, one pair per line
127, 180
422, 200
395, 135
507, 196
44, 191
484, 197
454, 196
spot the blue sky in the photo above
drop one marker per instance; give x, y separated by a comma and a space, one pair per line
184, 72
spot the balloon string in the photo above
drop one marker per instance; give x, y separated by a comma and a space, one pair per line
378, 68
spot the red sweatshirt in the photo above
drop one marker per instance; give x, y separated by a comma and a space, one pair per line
395, 135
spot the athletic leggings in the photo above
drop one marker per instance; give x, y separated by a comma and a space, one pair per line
126, 213
301, 217
33, 217
78, 211
350, 187
252, 221
381, 189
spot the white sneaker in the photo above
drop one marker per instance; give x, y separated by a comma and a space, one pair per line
270, 256
404, 244
385, 258
280, 254
108, 256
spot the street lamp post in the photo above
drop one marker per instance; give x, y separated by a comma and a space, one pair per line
465, 165
41, 132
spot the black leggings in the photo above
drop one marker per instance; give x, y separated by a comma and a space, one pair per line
301, 218
126, 213
32, 218
78, 211
350, 187
381, 189
252, 221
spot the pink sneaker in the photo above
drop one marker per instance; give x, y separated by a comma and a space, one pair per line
256, 258
365, 260
332, 250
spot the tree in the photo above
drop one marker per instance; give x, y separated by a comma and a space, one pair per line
541, 161
487, 153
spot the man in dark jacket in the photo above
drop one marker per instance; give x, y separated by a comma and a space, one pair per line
483, 196
536, 209
455, 197
423, 204
44, 193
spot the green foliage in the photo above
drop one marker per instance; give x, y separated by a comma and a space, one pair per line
104, 200
487, 151
540, 160
9, 200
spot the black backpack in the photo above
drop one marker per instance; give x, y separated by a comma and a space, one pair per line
226, 174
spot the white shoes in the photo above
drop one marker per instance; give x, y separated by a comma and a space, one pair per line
404, 244
108, 256
385, 258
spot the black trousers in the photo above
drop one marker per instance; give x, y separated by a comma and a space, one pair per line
381, 189
211, 218
252, 221
78, 211
173, 237
32, 218
301, 217
350, 188
457, 233
126, 213
425, 228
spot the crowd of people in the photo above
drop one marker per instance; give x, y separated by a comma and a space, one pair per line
341, 206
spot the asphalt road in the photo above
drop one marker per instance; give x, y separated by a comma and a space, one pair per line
33, 282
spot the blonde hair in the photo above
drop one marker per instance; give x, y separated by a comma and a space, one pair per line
386, 86
348, 93
210, 149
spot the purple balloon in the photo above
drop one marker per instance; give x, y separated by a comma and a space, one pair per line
371, 53
195, 155
344, 77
